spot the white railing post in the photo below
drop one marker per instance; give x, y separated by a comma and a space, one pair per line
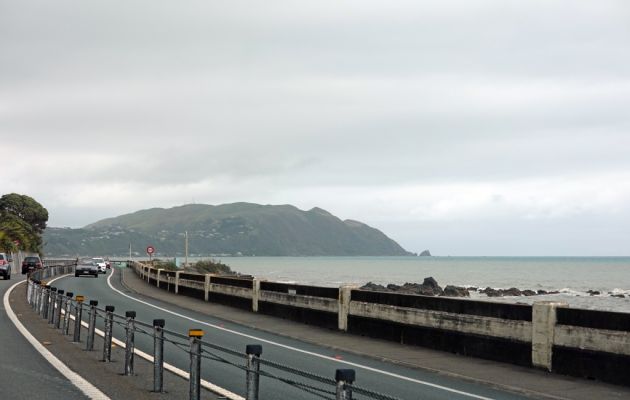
345, 293
206, 286
177, 281
255, 294
543, 326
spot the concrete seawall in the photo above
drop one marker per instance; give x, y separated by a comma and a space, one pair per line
547, 335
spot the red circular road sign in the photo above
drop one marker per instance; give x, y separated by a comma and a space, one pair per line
150, 249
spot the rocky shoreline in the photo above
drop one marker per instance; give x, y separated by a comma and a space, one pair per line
430, 287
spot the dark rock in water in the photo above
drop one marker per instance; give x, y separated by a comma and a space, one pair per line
416, 288
554, 292
425, 253
374, 287
541, 292
490, 292
511, 292
430, 287
528, 292
472, 288
594, 292
393, 288
431, 282
620, 296
455, 291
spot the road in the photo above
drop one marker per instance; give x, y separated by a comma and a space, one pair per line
391, 379
24, 373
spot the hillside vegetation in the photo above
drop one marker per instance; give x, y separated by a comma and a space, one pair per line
234, 229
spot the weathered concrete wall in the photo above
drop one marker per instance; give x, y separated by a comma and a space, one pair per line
470, 324
548, 335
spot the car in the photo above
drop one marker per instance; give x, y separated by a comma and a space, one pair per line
86, 266
101, 264
31, 263
5, 266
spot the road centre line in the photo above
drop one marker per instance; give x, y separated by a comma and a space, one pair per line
364, 367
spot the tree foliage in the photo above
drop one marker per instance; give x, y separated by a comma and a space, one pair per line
22, 219
212, 267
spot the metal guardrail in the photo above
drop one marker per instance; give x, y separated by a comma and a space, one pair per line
60, 307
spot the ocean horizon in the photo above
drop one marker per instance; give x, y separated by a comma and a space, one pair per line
572, 276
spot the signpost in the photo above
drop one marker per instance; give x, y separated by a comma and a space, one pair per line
150, 251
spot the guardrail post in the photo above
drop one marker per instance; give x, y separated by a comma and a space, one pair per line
253, 352
51, 304
66, 315
177, 281
58, 303
158, 355
255, 294
206, 286
30, 295
195, 336
345, 293
157, 280
129, 341
543, 326
78, 314
107, 340
40, 297
29, 291
89, 343
344, 378
33, 293
47, 294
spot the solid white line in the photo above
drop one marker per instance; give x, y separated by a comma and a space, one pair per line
364, 367
171, 368
77, 380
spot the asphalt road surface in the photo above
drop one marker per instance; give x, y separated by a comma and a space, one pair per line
24, 373
393, 380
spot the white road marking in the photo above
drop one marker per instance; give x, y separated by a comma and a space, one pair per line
77, 380
364, 367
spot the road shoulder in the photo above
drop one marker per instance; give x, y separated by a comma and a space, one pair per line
105, 376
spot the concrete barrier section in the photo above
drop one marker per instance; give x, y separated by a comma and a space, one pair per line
547, 335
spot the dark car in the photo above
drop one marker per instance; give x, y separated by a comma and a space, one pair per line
31, 263
5, 266
86, 266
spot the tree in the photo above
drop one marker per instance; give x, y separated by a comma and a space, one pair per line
22, 219
25, 208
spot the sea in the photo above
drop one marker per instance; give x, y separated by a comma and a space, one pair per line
573, 277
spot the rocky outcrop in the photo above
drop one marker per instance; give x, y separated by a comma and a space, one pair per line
374, 287
455, 291
429, 287
425, 253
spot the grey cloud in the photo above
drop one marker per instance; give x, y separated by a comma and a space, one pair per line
283, 97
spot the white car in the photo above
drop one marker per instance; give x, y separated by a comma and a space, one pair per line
100, 263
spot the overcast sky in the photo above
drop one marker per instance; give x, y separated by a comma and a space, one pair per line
463, 127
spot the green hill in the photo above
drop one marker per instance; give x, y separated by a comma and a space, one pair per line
235, 229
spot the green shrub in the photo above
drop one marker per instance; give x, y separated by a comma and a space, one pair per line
212, 267
168, 265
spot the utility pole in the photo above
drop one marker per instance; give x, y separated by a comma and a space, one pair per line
186, 251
